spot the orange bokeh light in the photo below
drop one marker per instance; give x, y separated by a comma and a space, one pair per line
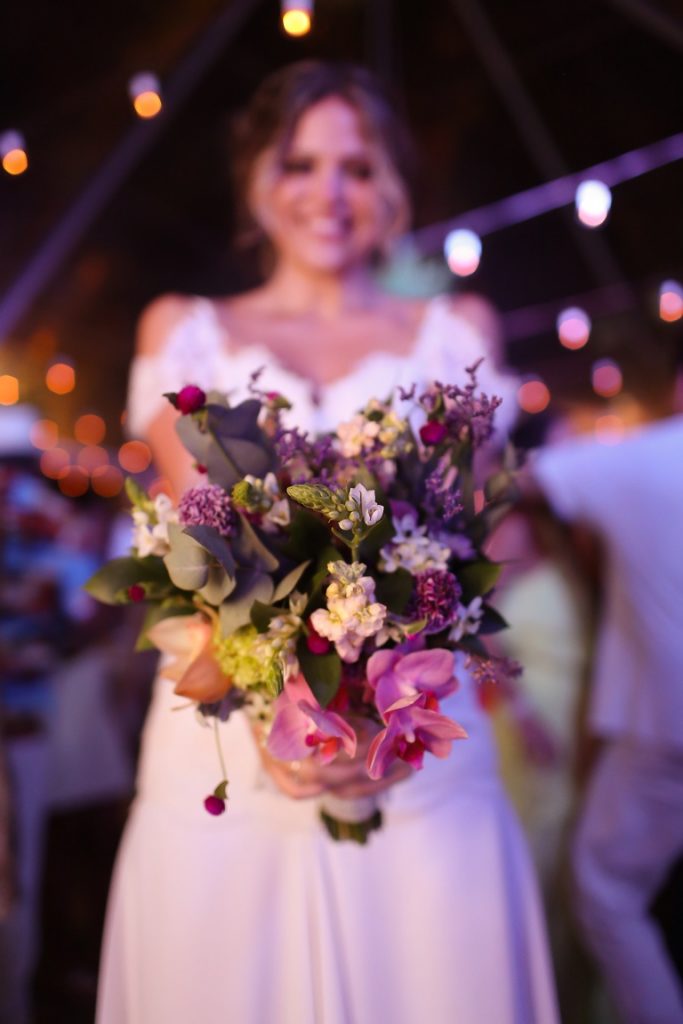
147, 104
134, 456
90, 429
15, 161
533, 396
670, 306
60, 378
296, 22
107, 481
9, 389
92, 457
44, 434
73, 481
53, 462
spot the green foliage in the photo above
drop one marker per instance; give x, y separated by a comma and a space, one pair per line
110, 583
322, 672
289, 582
394, 589
477, 578
252, 586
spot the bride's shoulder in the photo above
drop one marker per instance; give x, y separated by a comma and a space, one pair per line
161, 318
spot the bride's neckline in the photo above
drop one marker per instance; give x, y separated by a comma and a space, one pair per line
258, 351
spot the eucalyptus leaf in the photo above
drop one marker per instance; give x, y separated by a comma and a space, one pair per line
110, 583
322, 672
187, 561
218, 585
252, 586
215, 543
288, 583
250, 550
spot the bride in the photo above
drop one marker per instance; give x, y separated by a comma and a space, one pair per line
257, 917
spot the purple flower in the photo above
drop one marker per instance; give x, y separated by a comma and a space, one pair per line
207, 506
190, 399
301, 728
435, 598
433, 432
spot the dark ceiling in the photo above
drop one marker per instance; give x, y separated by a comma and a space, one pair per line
594, 80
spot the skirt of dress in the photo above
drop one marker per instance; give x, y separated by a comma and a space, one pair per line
257, 917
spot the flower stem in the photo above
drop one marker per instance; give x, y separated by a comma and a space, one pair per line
218, 748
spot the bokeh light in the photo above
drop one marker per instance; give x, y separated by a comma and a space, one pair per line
606, 378
134, 456
9, 389
13, 153
107, 481
573, 327
60, 378
90, 429
670, 301
297, 16
73, 481
533, 396
92, 457
462, 250
53, 462
593, 202
144, 90
44, 434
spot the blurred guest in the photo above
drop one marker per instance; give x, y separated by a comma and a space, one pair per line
630, 832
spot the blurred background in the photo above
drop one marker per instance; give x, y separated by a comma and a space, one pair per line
115, 124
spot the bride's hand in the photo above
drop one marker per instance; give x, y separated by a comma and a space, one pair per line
345, 777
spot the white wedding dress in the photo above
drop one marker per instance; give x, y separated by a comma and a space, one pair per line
257, 917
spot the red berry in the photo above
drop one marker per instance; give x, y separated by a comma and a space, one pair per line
136, 593
433, 432
190, 398
316, 643
214, 805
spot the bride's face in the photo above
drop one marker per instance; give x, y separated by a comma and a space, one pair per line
322, 203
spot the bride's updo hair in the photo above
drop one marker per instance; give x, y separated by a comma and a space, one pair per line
265, 130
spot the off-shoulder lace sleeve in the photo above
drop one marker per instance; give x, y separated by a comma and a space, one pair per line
189, 356
453, 344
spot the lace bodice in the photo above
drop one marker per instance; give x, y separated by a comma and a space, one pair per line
198, 351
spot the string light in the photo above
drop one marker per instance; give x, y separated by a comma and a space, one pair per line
134, 456
606, 378
107, 481
144, 90
593, 201
573, 327
44, 434
92, 457
533, 396
13, 153
53, 462
462, 249
297, 16
9, 389
670, 301
90, 429
60, 378
73, 481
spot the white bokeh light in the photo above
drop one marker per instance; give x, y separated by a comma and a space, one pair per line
593, 202
462, 249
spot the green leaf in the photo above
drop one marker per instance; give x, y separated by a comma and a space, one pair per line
307, 533
322, 672
252, 586
221, 790
477, 578
187, 561
288, 582
473, 645
110, 583
213, 542
394, 590
218, 585
261, 614
135, 493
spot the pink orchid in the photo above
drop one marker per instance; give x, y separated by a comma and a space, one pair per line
303, 729
407, 689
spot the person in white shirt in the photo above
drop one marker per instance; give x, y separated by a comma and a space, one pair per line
630, 832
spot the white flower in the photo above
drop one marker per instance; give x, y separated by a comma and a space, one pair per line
410, 548
352, 614
150, 529
272, 504
362, 508
357, 435
468, 619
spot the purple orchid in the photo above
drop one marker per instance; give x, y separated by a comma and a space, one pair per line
302, 728
407, 689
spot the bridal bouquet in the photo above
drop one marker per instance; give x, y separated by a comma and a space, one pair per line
322, 585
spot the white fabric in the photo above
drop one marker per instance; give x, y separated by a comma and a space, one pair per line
258, 917
632, 495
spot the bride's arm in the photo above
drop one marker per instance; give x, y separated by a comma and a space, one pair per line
156, 325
